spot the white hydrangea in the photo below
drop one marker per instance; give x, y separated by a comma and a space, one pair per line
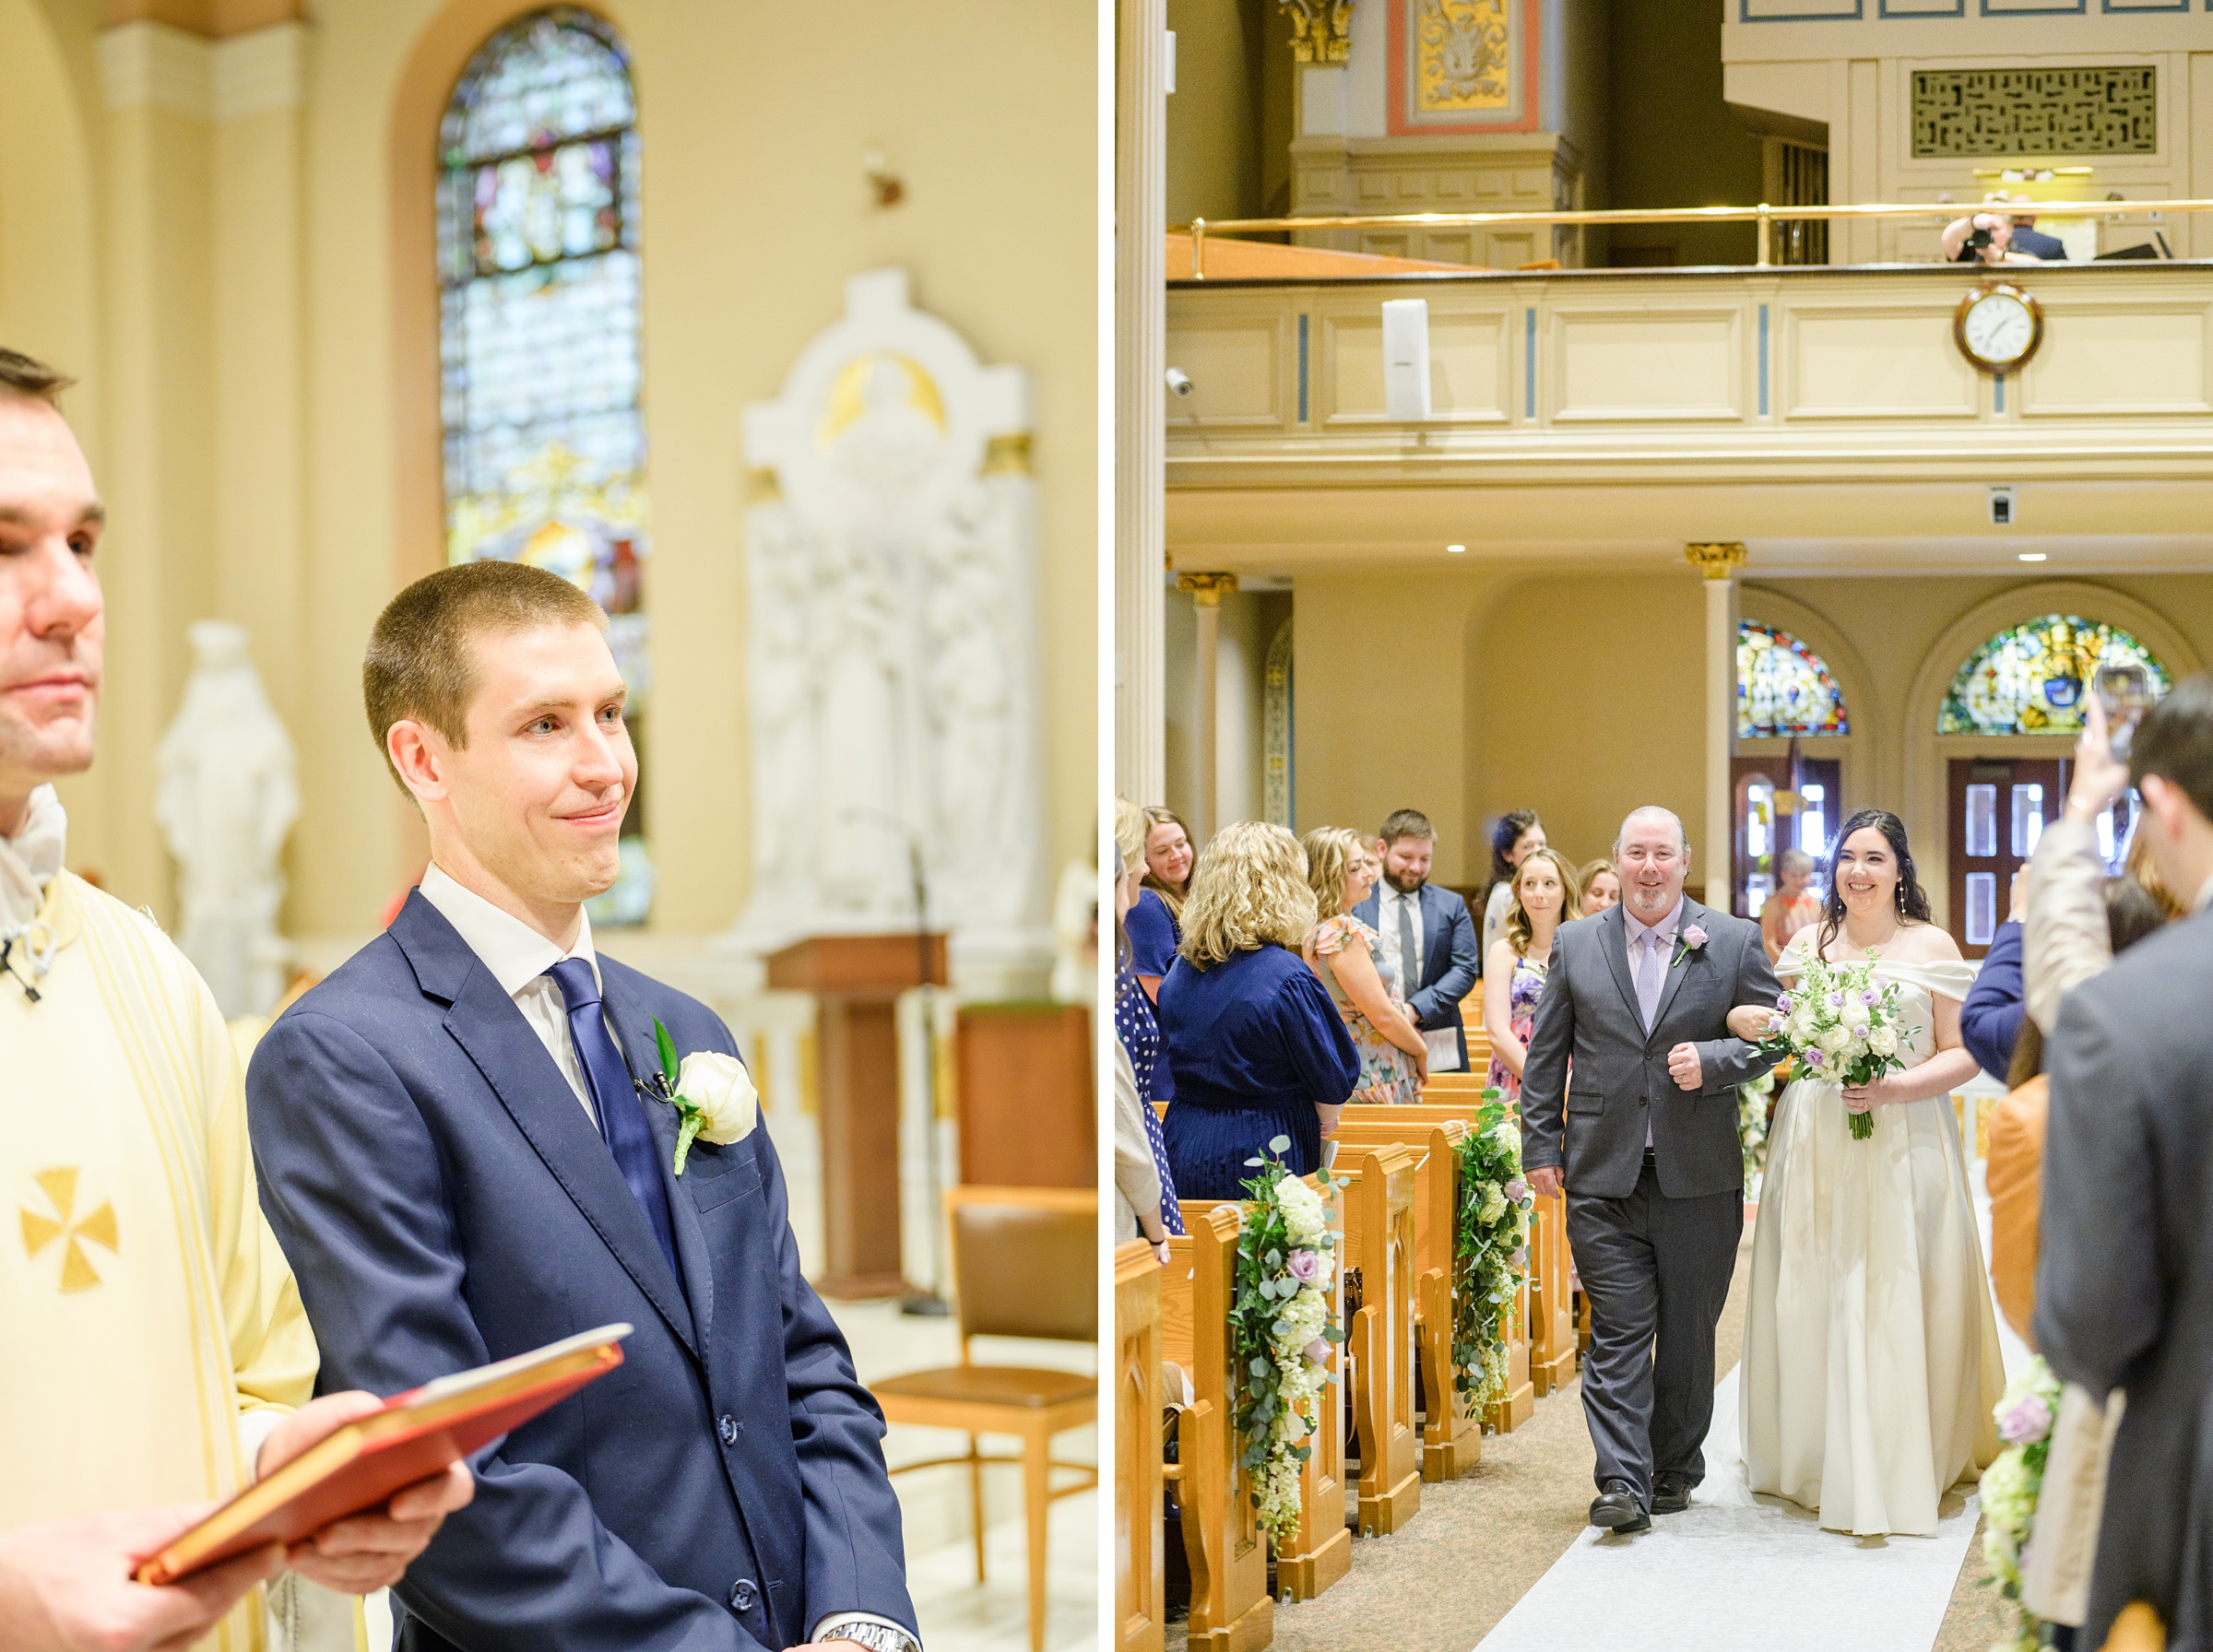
1304, 1218
1494, 1204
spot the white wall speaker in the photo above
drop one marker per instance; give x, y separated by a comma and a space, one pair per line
1406, 359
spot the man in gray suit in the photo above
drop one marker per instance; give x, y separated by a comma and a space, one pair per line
1639, 998
2124, 1269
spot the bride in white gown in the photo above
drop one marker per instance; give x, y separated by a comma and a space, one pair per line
1871, 1354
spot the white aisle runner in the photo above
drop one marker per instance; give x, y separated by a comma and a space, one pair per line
1731, 1573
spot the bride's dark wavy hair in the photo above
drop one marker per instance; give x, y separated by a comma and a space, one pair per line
1911, 899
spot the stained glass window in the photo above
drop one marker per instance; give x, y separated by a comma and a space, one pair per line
1784, 688
2033, 679
537, 264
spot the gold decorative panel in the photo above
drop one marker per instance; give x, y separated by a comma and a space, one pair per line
1463, 65
1960, 112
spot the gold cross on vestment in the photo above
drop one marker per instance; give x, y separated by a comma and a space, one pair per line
40, 1231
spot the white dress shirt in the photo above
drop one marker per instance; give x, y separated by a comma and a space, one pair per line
1387, 902
518, 958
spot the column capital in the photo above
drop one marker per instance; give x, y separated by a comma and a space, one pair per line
1321, 30
1206, 589
1717, 558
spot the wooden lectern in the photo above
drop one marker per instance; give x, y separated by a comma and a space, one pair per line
855, 980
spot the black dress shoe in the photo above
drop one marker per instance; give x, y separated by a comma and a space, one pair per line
1618, 1508
1671, 1492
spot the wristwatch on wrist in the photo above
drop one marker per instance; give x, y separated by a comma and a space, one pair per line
877, 1637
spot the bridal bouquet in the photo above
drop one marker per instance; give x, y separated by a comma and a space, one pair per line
1843, 1024
1282, 1332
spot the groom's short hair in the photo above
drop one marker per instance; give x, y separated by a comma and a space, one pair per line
421, 663
1651, 811
2176, 742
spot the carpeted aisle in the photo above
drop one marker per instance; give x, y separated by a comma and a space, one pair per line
1501, 1559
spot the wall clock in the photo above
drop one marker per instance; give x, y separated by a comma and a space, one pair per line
1998, 327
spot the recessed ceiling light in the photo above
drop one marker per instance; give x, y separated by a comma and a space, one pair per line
1457, 549
2032, 556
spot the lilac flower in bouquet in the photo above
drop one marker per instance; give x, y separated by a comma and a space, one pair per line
1516, 1190
1519, 1256
1318, 1352
1303, 1266
1784, 1004
2029, 1421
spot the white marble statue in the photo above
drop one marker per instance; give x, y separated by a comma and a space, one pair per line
225, 798
892, 618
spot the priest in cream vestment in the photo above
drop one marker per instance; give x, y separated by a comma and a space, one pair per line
154, 1339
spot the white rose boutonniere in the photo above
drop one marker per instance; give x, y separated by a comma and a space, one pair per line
712, 1092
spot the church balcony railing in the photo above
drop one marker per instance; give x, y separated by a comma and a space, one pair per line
1715, 375
1204, 235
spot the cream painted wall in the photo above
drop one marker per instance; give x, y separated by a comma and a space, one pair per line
1629, 730
288, 506
1383, 719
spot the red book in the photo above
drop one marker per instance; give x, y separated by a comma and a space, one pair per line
415, 1436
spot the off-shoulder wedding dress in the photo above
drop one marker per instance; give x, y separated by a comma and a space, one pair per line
1870, 1348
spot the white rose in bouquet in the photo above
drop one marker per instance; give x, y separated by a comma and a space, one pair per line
1834, 1039
1884, 1041
1855, 1017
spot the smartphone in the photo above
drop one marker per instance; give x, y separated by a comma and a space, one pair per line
2125, 691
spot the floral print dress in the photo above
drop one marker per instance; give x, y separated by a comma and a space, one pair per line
1521, 996
1383, 1063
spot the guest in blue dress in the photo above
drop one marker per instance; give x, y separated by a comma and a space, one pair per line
1257, 1048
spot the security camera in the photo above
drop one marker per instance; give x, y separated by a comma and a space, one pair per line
1180, 380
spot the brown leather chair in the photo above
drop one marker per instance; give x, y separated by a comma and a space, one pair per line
1024, 1264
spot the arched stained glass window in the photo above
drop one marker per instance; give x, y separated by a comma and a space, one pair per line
1784, 688
2033, 679
538, 266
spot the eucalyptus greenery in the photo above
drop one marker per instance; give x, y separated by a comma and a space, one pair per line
1490, 1248
1282, 1332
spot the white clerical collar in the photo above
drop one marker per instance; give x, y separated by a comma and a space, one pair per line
514, 953
31, 859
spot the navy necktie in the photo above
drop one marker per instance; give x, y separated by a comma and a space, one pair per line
622, 1111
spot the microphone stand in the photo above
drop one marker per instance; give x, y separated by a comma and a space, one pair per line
929, 1303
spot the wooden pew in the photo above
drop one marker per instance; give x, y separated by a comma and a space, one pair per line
1321, 1552
1451, 1432
1139, 1607
1231, 1611
1462, 1101
1551, 1333
1379, 1241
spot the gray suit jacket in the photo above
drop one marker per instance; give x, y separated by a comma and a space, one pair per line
2124, 1266
1593, 1124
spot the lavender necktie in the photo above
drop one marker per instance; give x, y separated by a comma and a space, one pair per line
1651, 973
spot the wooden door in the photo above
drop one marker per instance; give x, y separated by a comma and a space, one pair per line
1772, 816
1996, 811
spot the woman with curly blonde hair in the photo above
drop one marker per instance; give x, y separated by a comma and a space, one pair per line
1257, 1048
1342, 867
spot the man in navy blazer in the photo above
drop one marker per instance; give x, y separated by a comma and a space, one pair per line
459, 1158
1429, 926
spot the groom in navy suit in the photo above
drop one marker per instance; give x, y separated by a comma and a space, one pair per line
459, 1160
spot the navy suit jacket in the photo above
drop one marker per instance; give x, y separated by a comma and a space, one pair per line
1989, 1022
446, 1200
1451, 958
